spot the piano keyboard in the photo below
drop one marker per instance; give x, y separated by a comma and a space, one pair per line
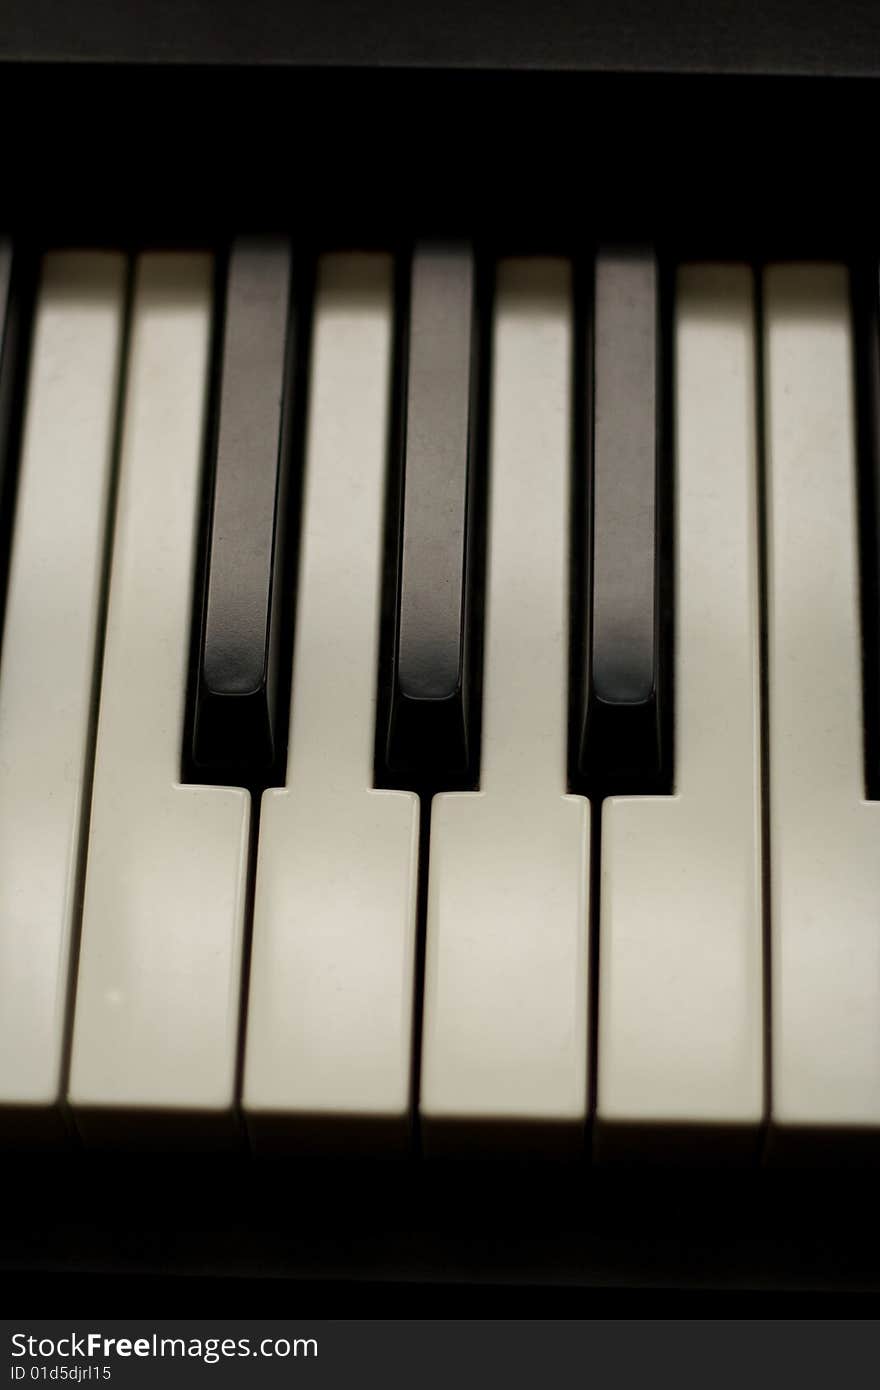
436, 704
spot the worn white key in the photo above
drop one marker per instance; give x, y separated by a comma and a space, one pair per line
680, 1039
824, 835
329, 1041
505, 1018
157, 1001
51, 640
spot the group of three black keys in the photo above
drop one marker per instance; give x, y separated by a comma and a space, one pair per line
430, 661
430, 645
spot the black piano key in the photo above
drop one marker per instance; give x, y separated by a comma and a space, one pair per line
7, 361
236, 698
17, 283
5, 294
866, 318
430, 730
625, 717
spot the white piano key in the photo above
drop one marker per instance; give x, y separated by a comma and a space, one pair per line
824, 835
506, 993
157, 1001
51, 639
680, 1037
328, 1056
